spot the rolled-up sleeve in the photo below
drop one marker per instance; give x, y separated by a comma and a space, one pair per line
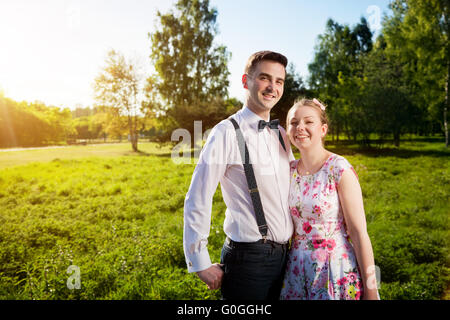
210, 168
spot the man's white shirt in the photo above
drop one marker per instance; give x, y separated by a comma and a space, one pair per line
220, 161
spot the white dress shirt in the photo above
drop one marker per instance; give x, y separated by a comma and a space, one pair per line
220, 161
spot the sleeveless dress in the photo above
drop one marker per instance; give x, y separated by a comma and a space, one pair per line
322, 263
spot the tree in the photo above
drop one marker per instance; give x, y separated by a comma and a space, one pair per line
191, 71
386, 99
59, 122
89, 122
336, 74
33, 124
118, 86
417, 35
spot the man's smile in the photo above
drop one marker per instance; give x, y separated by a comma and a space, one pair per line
268, 95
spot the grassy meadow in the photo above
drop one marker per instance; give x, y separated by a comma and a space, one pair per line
118, 217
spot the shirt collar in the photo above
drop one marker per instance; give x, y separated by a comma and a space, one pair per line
250, 117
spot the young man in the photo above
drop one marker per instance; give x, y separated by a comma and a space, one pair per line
254, 253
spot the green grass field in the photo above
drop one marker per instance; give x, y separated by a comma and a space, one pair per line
118, 217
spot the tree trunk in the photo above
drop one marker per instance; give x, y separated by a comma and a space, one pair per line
133, 135
337, 133
135, 132
397, 139
446, 105
134, 143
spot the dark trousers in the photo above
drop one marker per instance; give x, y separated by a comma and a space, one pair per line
253, 271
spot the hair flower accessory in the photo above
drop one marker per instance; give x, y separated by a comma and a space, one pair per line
319, 104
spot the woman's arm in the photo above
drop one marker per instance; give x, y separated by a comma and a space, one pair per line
350, 196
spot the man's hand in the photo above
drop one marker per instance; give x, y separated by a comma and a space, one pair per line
212, 276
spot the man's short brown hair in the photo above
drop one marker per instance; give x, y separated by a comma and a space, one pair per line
259, 56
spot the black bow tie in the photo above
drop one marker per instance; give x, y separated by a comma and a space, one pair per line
273, 124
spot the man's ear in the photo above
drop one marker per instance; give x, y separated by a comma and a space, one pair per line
244, 81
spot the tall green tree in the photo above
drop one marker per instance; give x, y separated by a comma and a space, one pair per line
191, 70
386, 97
118, 87
417, 35
336, 73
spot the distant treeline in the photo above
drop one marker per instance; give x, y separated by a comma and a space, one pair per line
33, 124
24, 124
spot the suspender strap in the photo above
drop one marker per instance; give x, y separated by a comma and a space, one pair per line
281, 139
251, 181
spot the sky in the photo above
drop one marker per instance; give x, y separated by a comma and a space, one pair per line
52, 50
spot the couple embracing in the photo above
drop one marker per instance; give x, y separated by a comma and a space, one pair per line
295, 229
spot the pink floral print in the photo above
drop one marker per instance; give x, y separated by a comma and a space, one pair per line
322, 263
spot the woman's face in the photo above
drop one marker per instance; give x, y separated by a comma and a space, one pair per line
305, 128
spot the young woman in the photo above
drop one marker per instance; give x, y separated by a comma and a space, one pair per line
331, 255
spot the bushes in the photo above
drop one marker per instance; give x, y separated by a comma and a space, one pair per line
409, 260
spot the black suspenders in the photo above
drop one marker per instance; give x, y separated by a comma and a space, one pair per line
251, 181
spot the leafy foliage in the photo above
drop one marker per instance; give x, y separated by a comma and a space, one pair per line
118, 88
33, 124
189, 66
399, 85
336, 74
191, 70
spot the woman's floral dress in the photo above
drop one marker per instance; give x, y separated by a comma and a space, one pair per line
322, 262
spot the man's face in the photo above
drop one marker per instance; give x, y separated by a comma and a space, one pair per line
265, 85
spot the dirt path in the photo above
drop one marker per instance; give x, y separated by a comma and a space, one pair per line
53, 147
